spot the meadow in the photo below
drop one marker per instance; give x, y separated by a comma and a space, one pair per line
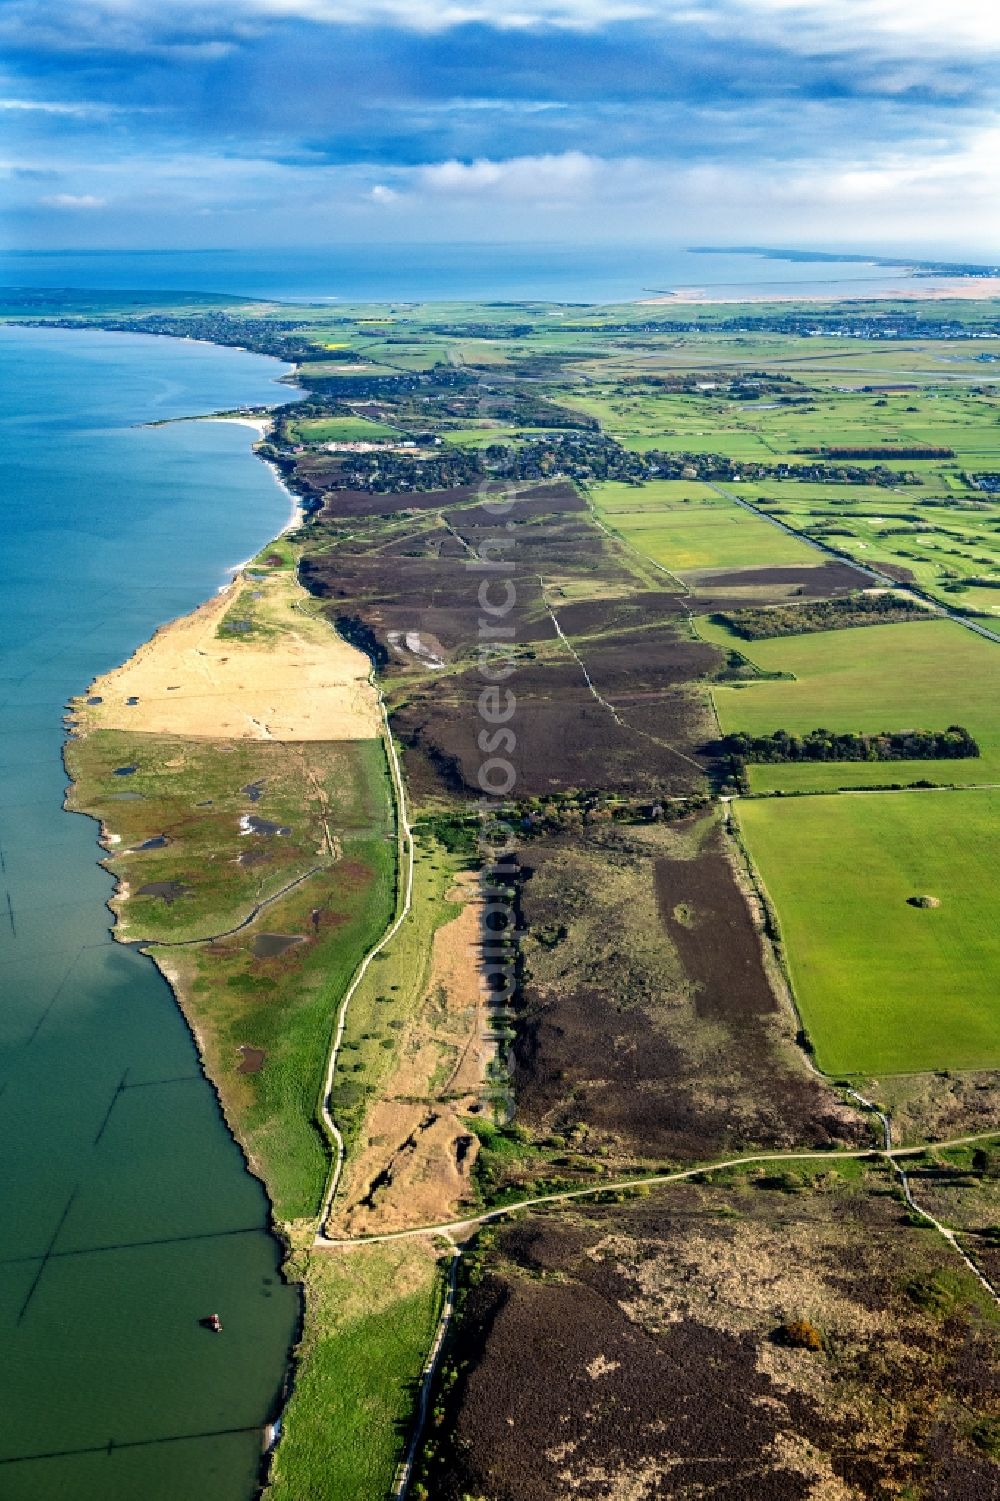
688, 527
370, 1318
924, 674
341, 430
884, 986
937, 526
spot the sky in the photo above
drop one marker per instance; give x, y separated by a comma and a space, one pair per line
194, 123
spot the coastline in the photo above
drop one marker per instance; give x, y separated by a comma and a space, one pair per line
171, 966
965, 289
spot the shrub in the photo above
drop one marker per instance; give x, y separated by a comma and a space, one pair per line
799, 1334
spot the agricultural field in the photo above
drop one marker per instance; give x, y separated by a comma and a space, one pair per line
691, 528
885, 985
921, 674
341, 430
671, 977
343, 369
935, 529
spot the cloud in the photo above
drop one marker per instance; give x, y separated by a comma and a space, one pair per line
898, 27
426, 15
74, 200
626, 119
904, 28
199, 29
546, 176
82, 108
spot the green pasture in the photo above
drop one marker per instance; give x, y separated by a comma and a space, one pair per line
392, 988
370, 1319
341, 430
883, 986
923, 674
687, 535
483, 436
285, 1006
346, 369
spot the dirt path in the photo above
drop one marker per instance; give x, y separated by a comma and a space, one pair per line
622, 724
467, 1226
904, 1182
187, 943
405, 849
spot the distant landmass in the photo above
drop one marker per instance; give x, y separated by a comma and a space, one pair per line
919, 268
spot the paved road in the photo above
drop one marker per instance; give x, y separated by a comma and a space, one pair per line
843, 557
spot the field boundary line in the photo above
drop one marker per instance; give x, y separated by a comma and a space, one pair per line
845, 557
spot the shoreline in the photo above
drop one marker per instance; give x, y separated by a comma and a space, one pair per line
282, 1231
263, 427
965, 289
109, 843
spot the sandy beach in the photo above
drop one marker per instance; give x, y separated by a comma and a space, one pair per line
260, 425
959, 289
291, 677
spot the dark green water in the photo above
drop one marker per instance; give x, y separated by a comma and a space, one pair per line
126, 1211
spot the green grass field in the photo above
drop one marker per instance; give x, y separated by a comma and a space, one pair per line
392, 987
688, 527
341, 430
370, 1319
883, 986
925, 674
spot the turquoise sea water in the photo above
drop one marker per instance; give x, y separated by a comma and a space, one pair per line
126, 1211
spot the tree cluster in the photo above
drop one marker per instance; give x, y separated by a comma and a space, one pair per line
953, 744
802, 618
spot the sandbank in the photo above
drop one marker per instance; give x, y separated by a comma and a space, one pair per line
959, 289
290, 677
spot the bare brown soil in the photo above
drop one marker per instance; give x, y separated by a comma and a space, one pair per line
634, 1352
710, 926
592, 617
650, 1037
813, 580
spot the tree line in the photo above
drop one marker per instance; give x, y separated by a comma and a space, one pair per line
953, 744
806, 616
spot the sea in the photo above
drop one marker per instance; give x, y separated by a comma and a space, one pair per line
127, 1213
451, 272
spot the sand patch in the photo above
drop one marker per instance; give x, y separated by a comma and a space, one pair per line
289, 677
